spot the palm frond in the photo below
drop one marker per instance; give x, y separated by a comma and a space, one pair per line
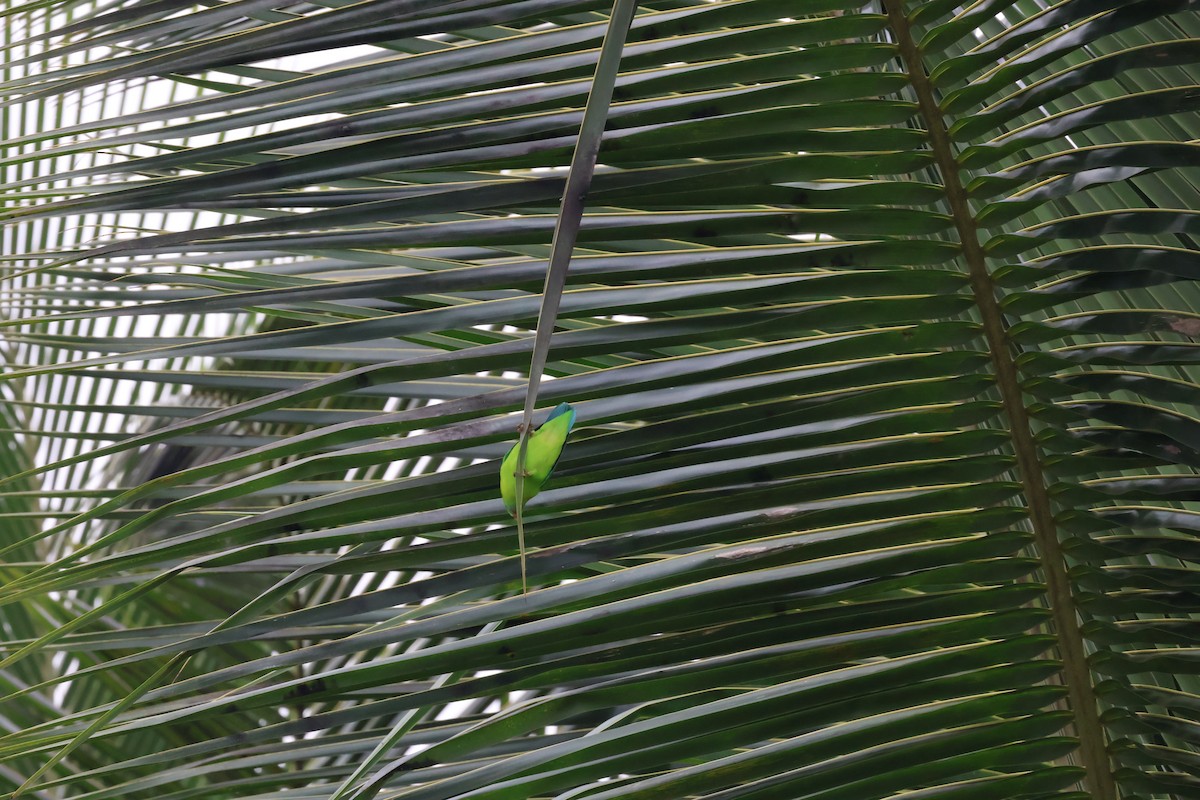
880, 328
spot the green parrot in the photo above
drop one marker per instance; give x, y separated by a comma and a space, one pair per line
542, 450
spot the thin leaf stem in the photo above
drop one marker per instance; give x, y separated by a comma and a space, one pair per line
570, 216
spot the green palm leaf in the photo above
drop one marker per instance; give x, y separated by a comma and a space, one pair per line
880, 329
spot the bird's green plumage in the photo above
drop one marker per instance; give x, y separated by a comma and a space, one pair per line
542, 450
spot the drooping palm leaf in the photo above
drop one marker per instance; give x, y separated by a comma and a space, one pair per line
880, 329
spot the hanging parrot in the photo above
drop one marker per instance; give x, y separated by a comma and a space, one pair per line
542, 450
